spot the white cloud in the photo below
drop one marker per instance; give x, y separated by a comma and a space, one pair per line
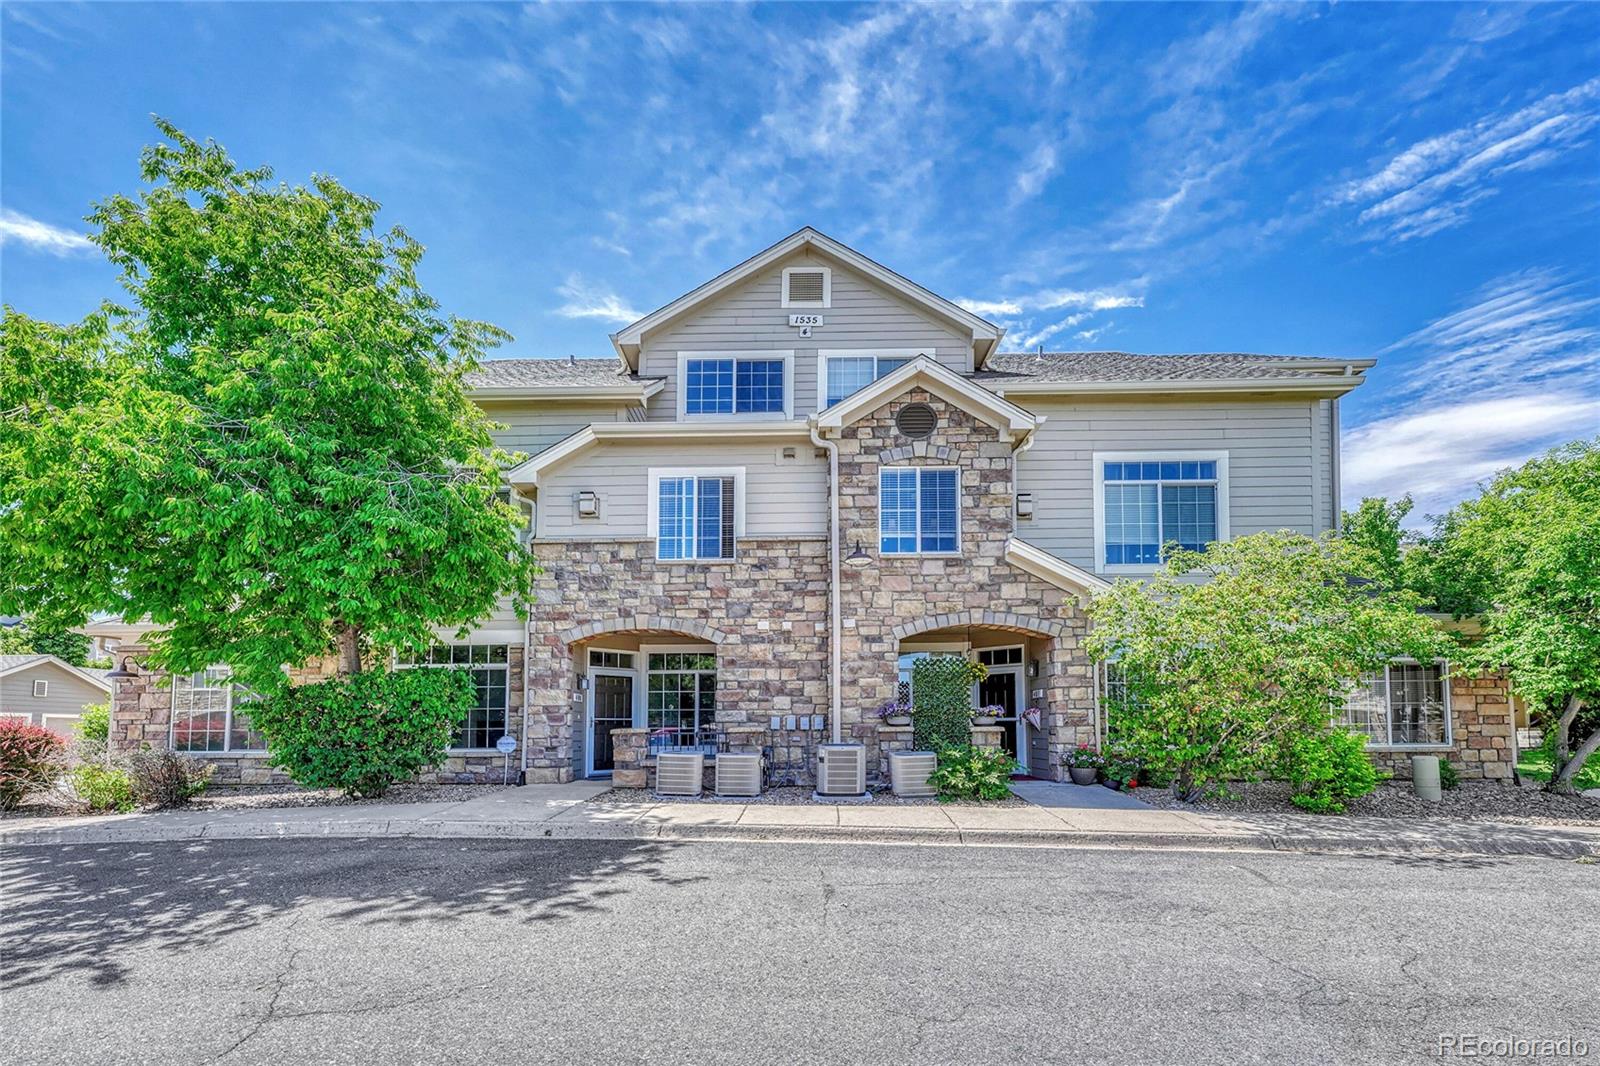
1035, 173
585, 300
19, 228
1433, 184
1024, 340
1055, 300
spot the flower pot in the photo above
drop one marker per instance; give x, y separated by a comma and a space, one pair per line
983, 720
901, 720
1083, 775
909, 772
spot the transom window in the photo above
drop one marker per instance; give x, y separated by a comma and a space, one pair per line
1406, 705
613, 660
208, 713
680, 697
918, 510
491, 675
1000, 656
1152, 503
847, 374
695, 517
733, 386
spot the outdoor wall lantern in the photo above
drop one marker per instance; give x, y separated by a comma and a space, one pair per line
857, 558
1033, 667
588, 504
127, 670
1024, 505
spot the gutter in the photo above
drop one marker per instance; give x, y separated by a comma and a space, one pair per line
1328, 383
835, 698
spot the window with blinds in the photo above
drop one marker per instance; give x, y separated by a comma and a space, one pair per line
695, 517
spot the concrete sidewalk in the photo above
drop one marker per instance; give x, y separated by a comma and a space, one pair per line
1072, 818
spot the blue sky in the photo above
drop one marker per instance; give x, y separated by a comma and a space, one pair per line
1419, 182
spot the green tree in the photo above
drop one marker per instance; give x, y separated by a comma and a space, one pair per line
1528, 550
1375, 529
25, 640
1233, 655
271, 455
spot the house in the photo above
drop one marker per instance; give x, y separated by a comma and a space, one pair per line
796, 479
48, 691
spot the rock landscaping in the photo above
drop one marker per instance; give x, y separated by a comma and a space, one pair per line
1471, 801
59, 804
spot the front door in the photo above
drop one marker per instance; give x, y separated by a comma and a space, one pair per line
610, 707
1002, 688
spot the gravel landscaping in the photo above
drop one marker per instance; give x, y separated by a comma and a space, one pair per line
1470, 801
794, 796
232, 798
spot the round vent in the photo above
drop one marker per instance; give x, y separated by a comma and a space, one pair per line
916, 420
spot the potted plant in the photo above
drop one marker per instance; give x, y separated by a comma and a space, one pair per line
1083, 764
987, 715
894, 712
1121, 769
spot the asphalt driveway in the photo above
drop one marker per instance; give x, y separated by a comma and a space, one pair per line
306, 951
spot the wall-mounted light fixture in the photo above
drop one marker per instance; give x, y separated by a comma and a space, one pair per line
1024, 505
588, 504
127, 670
857, 558
1033, 667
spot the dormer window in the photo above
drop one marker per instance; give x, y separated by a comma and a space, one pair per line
807, 287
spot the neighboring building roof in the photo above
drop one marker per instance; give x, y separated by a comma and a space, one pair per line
567, 378
985, 334
11, 664
1092, 371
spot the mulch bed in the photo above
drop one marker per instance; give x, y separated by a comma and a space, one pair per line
1470, 801
793, 796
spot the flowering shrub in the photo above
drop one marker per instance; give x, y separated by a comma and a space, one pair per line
1083, 757
994, 710
969, 772
30, 758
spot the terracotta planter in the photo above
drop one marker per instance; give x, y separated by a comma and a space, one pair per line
1083, 775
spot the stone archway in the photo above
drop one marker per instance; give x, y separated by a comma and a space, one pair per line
644, 623
1007, 620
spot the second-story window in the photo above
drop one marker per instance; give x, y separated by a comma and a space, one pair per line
694, 513
846, 374
1148, 503
919, 510
733, 386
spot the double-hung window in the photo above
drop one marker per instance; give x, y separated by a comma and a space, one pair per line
845, 374
732, 385
209, 714
491, 676
919, 510
694, 514
1406, 705
1147, 503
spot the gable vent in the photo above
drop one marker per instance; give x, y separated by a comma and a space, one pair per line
805, 287
916, 420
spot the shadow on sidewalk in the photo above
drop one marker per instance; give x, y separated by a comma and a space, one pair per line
79, 908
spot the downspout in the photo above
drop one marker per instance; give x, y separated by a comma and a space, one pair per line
527, 657
1338, 502
835, 699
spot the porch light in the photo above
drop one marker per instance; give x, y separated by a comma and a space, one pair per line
588, 504
857, 558
1024, 505
124, 672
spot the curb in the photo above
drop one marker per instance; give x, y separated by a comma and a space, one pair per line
123, 833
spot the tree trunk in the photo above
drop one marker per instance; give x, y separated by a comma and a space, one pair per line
1563, 772
349, 640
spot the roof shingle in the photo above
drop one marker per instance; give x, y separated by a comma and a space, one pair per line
1111, 367
532, 373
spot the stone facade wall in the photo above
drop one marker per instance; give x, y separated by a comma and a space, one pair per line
1483, 746
141, 713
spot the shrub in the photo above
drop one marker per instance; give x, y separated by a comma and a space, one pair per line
95, 723
1329, 768
941, 687
165, 778
364, 732
1448, 777
103, 788
969, 772
30, 758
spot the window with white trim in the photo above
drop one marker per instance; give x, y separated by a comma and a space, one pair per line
695, 516
734, 385
209, 713
1150, 504
919, 510
844, 375
1407, 705
680, 695
490, 666
41, 688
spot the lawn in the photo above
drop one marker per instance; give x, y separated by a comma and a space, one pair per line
1535, 764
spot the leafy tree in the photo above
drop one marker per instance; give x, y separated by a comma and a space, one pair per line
1375, 529
1528, 550
24, 640
272, 455
1225, 675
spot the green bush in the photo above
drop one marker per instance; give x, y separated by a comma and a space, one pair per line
165, 778
969, 772
1448, 776
364, 732
95, 722
941, 701
1329, 768
103, 788
30, 758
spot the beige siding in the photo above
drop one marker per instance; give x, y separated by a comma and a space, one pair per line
783, 497
67, 693
751, 317
1275, 476
532, 427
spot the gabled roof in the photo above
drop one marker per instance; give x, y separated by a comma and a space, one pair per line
11, 664
985, 334
1023, 372
528, 471
596, 379
1051, 568
941, 381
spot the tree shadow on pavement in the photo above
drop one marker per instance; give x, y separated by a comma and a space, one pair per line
81, 908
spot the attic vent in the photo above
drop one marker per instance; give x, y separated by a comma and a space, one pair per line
806, 287
916, 420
